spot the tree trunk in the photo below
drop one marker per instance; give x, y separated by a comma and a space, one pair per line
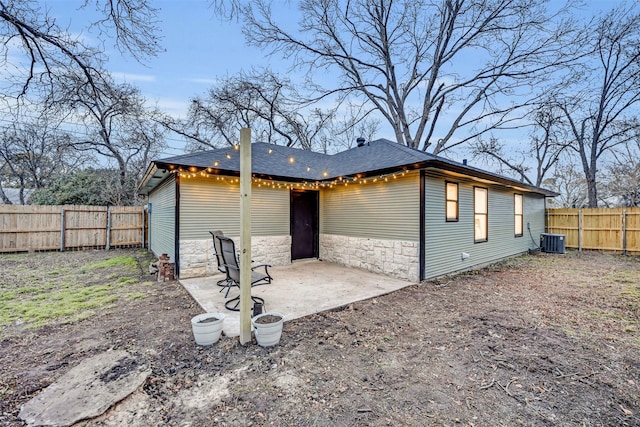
592, 190
4, 197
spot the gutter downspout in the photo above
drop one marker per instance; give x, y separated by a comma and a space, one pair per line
422, 244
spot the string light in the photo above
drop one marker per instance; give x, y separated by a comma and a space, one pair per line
194, 172
263, 182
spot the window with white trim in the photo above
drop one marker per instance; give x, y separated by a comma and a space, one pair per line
480, 214
518, 215
451, 189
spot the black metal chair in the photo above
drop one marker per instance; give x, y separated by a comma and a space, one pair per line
232, 268
217, 251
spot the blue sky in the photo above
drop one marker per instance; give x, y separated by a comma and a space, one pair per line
199, 48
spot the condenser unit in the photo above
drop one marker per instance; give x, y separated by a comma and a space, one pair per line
552, 243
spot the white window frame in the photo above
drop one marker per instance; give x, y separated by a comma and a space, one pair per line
480, 214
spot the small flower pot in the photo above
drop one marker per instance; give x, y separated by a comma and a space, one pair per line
267, 328
207, 328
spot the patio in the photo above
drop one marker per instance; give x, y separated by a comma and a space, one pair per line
300, 289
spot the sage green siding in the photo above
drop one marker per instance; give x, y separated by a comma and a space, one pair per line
380, 210
446, 241
162, 225
207, 204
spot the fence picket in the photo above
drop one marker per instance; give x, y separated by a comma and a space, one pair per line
603, 229
37, 228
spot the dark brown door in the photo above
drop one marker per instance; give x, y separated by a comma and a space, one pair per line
304, 224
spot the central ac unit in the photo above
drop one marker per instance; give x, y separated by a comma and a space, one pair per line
552, 243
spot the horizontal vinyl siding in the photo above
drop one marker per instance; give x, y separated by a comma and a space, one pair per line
445, 241
162, 230
534, 215
207, 204
380, 210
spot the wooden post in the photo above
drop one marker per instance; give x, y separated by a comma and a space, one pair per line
245, 236
108, 244
624, 231
580, 230
144, 214
548, 224
62, 230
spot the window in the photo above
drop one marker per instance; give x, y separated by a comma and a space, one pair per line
480, 213
518, 216
452, 201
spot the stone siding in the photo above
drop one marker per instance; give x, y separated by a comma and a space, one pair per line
197, 258
391, 257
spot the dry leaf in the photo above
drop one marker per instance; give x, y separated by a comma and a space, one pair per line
625, 410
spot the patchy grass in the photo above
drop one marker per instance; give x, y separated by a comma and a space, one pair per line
68, 292
117, 261
135, 295
63, 303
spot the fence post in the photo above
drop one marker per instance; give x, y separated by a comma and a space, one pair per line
547, 225
144, 214
108, 227
62, 230
580, 230
624, 231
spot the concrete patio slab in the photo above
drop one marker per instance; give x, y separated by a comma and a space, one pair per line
300, 289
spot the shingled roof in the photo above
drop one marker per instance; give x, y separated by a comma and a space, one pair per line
292, 164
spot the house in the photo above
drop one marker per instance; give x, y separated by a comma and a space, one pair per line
380, 206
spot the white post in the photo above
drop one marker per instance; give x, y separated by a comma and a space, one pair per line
245, 236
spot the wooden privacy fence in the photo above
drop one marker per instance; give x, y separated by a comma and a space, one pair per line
40, 228
602, 229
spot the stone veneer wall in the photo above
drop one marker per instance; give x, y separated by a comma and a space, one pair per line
197, 258
395, 258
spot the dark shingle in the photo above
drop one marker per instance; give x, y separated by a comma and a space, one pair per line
279, 161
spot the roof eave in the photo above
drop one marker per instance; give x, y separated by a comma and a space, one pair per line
231, 172
461, 169
148, 174
152, 174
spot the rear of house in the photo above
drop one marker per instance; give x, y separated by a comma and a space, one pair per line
419, 218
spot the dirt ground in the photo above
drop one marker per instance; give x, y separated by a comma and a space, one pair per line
537, 340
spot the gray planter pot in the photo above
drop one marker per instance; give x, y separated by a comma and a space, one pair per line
267, 334
207, 328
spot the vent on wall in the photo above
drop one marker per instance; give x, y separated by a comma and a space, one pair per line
552, 243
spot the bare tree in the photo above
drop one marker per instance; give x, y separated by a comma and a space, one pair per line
118, 126
36, 48
33, 150
598, 104
548, 141
431, 69
621, 183
570, 184
267, 103
348, 124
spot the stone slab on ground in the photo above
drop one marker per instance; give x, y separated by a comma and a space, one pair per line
87, 390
